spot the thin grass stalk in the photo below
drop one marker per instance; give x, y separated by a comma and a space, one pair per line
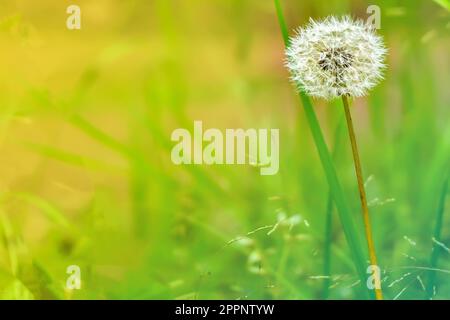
362, 191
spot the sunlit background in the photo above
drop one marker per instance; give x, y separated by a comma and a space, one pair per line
86, 177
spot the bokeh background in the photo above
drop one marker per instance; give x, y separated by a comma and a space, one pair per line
86, 177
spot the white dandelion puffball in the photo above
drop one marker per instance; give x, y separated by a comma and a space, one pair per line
335, 57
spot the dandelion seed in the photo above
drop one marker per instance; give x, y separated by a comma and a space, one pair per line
336, 57
410, 241
334, 285
421, 283
440, 244
386, 201
373, 202
254, 263
369, 180
427, 268
408, 257
319, 277
354, 284
258, 229
245, 242
274, 228
337, 277
294, 220
399, 279
400, 293
377, 202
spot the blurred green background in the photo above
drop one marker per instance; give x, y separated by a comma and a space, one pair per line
86, 176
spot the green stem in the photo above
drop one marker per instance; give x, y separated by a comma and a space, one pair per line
362, 192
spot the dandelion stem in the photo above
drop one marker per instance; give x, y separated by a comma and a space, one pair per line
362, 192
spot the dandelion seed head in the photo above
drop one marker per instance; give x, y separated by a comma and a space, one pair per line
335, 57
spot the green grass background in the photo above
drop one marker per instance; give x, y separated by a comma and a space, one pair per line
86, 177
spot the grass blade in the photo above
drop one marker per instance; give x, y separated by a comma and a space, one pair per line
443, 3
329, 220
75, 159
100, 136
437, 237
7, 233
48, 209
